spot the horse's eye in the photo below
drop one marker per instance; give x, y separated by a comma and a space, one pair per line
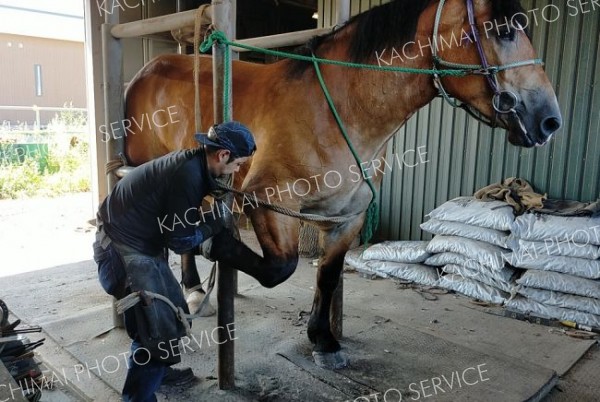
507, 35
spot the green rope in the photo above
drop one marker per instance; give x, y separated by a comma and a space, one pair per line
372, 215
219, 37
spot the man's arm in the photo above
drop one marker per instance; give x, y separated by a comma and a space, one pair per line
187, 189
202, 232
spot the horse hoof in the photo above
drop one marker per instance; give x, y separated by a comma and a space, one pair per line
331, 361
194, 302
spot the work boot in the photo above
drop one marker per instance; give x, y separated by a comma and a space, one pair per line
178, 376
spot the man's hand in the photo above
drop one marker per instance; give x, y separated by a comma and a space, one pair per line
209, 228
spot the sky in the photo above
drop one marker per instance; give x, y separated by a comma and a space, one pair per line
55, 19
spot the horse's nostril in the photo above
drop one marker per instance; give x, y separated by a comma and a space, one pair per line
550, 125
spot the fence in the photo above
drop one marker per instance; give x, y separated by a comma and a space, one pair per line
37, 113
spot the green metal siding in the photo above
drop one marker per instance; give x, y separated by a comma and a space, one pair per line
466, 155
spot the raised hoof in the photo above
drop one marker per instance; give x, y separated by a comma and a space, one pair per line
331, 361
194, 301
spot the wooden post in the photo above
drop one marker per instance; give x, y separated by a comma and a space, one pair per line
336, 312
223, 12
112, 57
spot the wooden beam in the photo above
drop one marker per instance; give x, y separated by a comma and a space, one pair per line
223, 19
163, 23
283, 40
336, 319
112, 59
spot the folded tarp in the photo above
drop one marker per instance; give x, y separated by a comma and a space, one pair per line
560, 283
530, 306
398, 251
497, 215
417, 273
449, 228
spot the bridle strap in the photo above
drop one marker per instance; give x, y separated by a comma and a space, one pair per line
484, 68
491, 78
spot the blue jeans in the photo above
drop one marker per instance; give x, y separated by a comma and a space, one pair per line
143, 377
150, 326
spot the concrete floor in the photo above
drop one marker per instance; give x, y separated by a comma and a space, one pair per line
397, 338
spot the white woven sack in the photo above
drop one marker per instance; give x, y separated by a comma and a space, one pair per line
553, 247
417, 273
506, 274
398, 251
484, 253
497, 215
561, 283
559, 299
448, 228
567, 265
530, 306
472, 288
537, 227
479, 276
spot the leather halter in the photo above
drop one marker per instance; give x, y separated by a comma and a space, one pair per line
503, 101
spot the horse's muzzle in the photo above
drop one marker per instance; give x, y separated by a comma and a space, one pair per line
532, 129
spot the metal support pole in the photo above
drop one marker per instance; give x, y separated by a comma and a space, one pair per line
112, 56
342, 11
222, 20
336, 312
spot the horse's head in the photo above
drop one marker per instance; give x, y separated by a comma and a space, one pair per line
519, 97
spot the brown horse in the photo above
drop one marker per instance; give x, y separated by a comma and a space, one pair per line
300, 144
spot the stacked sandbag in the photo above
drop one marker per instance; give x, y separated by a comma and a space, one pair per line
394, 259
562, 255
470, 247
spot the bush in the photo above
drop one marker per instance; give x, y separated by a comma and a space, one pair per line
65, 168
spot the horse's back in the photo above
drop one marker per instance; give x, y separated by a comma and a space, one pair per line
164, 89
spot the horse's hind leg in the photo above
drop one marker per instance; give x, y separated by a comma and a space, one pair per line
326, 351
190, 280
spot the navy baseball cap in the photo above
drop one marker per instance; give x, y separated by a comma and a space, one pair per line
233, 136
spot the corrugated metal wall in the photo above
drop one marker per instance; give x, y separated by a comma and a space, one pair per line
465, 155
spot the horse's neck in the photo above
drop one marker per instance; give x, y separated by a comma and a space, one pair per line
374, 104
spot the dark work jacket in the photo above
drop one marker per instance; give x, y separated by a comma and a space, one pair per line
156, 204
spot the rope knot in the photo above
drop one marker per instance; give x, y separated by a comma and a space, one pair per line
215, 37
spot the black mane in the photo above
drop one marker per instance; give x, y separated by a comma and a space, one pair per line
391, 24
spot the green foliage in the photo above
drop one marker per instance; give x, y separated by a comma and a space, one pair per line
63, 168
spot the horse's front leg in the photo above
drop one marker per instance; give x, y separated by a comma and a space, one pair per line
278, 238
192, 288
336, 242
